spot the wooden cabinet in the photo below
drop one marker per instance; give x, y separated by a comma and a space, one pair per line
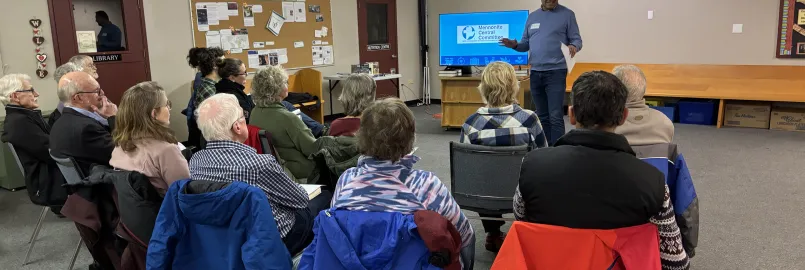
461, 98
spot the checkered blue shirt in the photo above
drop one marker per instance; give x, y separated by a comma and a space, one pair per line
505, 126
228, 161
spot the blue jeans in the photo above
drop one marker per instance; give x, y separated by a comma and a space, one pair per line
315, 127
548, 95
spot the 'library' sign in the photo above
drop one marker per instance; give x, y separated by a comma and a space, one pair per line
107, 58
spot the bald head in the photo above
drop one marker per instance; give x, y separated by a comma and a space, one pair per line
78, 82
217, 117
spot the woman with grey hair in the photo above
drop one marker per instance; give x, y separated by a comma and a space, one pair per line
27, 131
385, 181
293, 140
357, 93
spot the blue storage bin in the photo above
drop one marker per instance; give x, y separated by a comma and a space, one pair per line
667, 110
697, 112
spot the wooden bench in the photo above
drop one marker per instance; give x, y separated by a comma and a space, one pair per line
304, 81
721, 82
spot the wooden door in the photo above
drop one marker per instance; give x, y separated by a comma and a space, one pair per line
377, 33
117, 70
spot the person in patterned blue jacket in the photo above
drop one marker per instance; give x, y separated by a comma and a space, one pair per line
501, 123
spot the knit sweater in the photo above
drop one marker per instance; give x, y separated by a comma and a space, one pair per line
645, 125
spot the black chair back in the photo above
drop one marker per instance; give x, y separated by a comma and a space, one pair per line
484, 178
69, 169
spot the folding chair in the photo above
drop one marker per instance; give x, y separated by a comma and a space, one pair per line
268, 148
483, 178
72, 175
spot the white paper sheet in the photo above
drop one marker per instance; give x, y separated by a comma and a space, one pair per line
213, 39
288, 11
269, 43
248, 16
327, 54
275, 23
324, 31
234, 40
223, 11
258, 45
283, 59
299, 44
236, 50
570, 60
325, 43
254, 59
212, 13
318, 62
300, 11
317, 33
257, 8
232, 8
317, 42
202, 17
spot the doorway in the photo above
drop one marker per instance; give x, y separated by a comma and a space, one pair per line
112, 32
377, 34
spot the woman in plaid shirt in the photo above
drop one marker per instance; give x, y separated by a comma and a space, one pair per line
501, 123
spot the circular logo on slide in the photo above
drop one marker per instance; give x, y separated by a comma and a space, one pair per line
468, 32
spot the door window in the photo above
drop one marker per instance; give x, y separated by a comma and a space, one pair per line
99, 25
377, 23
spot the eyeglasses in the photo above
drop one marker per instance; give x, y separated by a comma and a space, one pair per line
98, 91
169, 105
32, 90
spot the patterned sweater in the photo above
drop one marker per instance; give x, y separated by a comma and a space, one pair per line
383, 186
672, 253
504, 126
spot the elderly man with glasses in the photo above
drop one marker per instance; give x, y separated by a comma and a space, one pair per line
226, 159
26, 130
84, 130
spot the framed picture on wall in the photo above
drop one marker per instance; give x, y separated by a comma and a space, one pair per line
791, 30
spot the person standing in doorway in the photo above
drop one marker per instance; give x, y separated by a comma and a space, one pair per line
546, 29
110, 37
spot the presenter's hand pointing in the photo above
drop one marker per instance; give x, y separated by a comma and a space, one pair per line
511, 43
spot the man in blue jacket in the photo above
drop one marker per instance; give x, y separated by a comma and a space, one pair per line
546, 29
110, 37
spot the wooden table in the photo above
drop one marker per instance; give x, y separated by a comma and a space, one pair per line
461, 98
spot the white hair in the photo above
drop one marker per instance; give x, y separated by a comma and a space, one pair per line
11, 83
267, 85
64, 69
633, 78
67, 90
216, 115
80, 60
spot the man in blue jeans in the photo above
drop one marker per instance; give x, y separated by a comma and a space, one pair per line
546, 29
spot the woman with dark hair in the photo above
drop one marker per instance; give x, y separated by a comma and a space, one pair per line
233, 78
143, 140
203, 60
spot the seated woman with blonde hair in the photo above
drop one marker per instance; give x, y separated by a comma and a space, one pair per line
294, 141
501, 123
357, 93
143, 140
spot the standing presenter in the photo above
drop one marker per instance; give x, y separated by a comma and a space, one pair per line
546, 29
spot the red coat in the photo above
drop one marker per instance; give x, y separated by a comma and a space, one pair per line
538, 246
254, 139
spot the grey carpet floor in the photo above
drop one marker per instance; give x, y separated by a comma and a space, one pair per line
750, 184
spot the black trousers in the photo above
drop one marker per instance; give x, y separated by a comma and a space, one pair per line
492, 226
301, 234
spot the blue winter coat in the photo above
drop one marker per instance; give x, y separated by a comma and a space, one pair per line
214, 225
667, 159
355, 240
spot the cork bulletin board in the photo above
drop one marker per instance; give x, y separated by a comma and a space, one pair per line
305, 39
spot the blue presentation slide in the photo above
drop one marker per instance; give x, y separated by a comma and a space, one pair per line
471, 39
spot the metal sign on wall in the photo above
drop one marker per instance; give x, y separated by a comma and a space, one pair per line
378, 47
107, 58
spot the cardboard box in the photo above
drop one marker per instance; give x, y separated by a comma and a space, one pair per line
789, 119
745, 114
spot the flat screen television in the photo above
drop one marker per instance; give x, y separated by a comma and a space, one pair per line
471, 39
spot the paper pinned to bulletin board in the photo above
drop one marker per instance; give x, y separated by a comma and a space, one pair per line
246, 32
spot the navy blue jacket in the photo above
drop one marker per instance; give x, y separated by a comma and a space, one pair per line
216, 225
